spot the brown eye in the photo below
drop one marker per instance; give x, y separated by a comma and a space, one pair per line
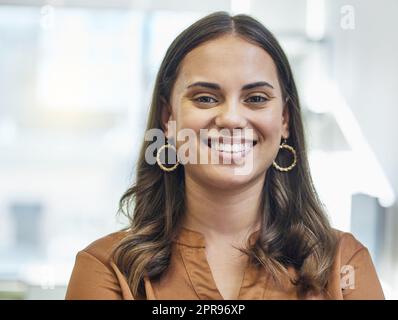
204, 99
257, 99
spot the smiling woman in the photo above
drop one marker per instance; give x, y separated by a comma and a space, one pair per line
202, 231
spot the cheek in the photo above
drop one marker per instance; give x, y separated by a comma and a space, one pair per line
192, 118
269, 126
189, 121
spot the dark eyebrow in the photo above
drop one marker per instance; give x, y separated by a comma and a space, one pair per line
215, 86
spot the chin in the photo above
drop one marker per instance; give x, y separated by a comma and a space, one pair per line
223, 176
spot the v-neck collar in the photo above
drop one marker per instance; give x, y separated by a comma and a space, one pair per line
192, 246
196, 239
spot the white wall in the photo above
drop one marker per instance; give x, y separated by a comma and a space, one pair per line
365, 64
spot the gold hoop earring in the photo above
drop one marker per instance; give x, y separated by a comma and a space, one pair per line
291, 149
161, 165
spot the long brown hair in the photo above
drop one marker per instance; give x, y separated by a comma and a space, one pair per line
294, 229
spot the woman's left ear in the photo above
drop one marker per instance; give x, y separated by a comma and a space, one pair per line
285, 121
166, 116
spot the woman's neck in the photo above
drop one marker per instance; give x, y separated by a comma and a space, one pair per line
220, 213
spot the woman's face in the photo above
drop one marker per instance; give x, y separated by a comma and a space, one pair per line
256, 114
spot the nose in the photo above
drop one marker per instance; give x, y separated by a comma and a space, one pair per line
231, 116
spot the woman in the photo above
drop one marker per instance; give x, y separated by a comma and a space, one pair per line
203, 230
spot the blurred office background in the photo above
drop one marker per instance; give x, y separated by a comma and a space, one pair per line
75, 84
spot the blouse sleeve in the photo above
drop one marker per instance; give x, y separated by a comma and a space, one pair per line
359, 278
92, 280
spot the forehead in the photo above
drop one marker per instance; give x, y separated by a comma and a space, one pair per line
230, 61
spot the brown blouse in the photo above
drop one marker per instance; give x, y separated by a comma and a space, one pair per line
95, 275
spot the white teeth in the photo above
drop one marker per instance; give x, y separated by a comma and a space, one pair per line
236, 147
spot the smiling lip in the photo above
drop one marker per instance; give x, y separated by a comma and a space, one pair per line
235, 150
231, 140
228, 144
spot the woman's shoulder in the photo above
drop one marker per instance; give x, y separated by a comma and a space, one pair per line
354, 274
348, 245
102, 248
93, 275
